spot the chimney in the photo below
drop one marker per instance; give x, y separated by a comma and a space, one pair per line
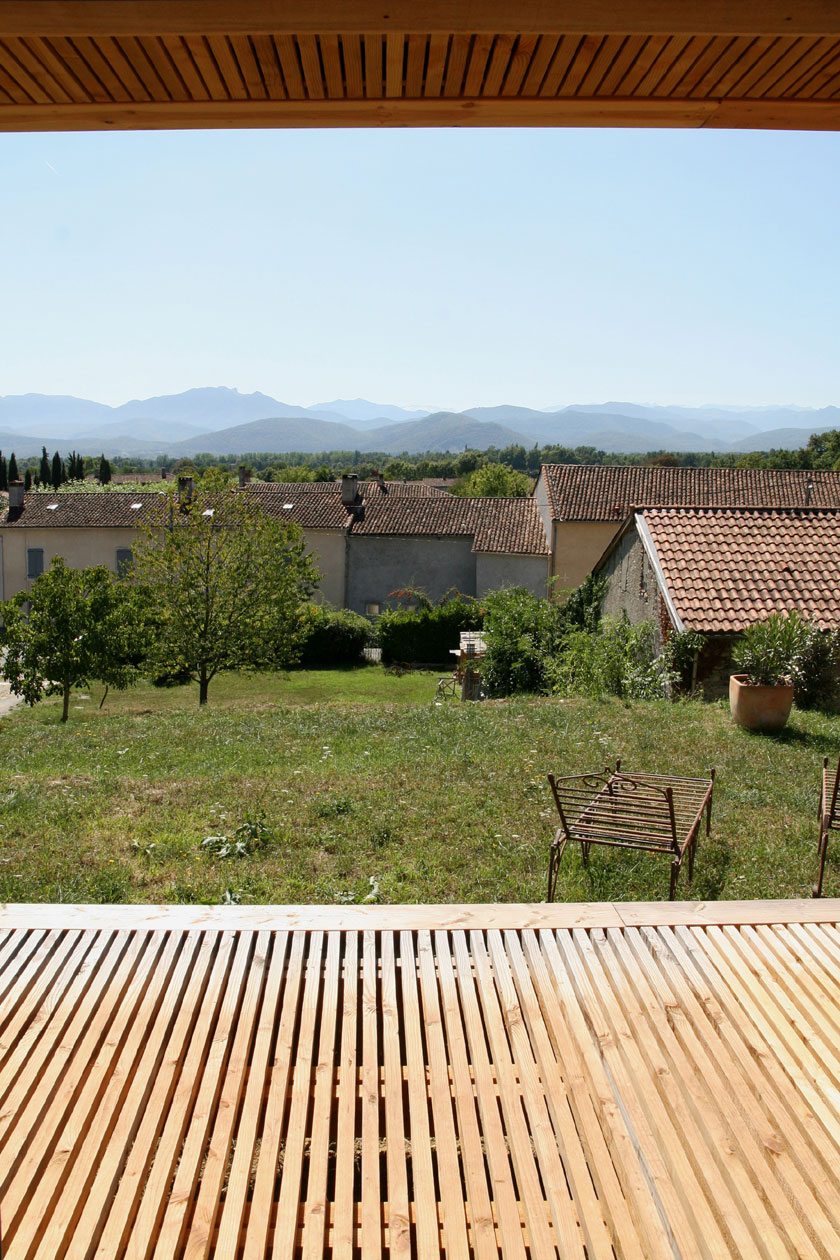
349, 490
186, 488
163, 474
376, 476
809, 487
15, 500
244, 476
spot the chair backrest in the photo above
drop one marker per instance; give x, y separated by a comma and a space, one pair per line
833, 802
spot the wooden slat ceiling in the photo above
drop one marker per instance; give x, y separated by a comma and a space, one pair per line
143, 64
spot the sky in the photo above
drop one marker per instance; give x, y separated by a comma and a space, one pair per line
438, 268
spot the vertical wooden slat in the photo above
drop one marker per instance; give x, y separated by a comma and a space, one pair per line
205, 62
249, 66
446, 1146
459, 48
287, 54
371, 1231
331, 59
344, 1224
271, 1137
90, 1143
427, 1241
193, 1154
373, 66
394, 57
415, 65
269, 67
477, 64
521, 60
315, 1207
399, 1227
220, 1151
351, 51
310, 63
288, 1206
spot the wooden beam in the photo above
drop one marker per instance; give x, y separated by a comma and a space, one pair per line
208, 17
479, 112
409, 918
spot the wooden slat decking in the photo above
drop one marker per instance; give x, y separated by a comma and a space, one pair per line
637, 1081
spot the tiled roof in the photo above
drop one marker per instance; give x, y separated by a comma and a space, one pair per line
593, 492
725, 568
508, 526
105, 509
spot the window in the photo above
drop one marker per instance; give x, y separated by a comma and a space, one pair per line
124, 559
372, 610
34, 561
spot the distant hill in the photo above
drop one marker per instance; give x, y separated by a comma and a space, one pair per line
223, 421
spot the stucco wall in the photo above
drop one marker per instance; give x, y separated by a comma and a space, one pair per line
541, 500
327, 550
81, 548
495, 571
578, 546
378, 565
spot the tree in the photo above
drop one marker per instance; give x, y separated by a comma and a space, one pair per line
228, 584
73, 626
13, 468
496, 481
58, 473
27, 481
4, 473
44, 469
104, 474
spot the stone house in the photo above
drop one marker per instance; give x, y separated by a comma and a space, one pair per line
717, 570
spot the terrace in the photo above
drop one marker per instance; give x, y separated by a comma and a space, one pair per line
605, 1079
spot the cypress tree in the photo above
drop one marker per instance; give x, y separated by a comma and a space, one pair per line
4, 473
58, 473
104, 471
13, 468
44, 470
27, 481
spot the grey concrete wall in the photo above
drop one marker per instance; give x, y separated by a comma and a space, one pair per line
631, 581
377, 565
493, 572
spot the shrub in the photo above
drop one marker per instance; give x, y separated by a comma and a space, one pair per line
427, 633
336, 637
619, 659
815, 668
523, 634
767, 649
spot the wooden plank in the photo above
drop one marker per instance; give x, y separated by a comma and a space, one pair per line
415, 64
142, 1099
281, 1069
205, 63
372, 43
331, 61
478, 1205
399, 1224
440, 1090
288, 1207
477, 59
459, 50
269, 67
344, 1221
315, 1208
522, 57
88, 1144
310, 64
158, 57
444, 917
194, 1151
705, 1084
351, 51
31, 79
177, 52
228, 68
394, 55
424, 1195
512, 1141
118, 17
436, 65
371, 1234
141, 1235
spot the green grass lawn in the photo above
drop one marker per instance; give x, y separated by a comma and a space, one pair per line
358, 776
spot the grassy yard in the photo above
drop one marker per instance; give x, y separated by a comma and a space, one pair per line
366, 787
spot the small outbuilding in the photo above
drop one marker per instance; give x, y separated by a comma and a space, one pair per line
717, 570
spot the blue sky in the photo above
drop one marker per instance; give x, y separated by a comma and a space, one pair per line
439, 268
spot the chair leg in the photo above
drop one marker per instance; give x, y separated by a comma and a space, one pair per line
692, 846
675, 873
821, 852
557, 849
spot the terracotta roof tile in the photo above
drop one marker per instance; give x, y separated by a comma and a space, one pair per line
508, 526
85, 510
593, 492
725, 568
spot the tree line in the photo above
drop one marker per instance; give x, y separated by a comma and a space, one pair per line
53, 472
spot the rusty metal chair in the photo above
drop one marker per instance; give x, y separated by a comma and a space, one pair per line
828, 816
653, 813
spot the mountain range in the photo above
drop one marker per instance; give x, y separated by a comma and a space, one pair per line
221, 421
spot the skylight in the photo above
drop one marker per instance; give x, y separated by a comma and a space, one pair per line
287, 506
135, 506
51, 507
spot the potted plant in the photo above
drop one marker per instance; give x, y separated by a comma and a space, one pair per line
761, 694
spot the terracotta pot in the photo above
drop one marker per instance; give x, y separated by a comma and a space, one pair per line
759, 708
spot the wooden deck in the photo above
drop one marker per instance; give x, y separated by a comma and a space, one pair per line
638, 1081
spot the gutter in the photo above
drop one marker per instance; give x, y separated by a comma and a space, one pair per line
652, 555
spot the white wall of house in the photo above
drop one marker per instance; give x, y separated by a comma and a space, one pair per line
327, 548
